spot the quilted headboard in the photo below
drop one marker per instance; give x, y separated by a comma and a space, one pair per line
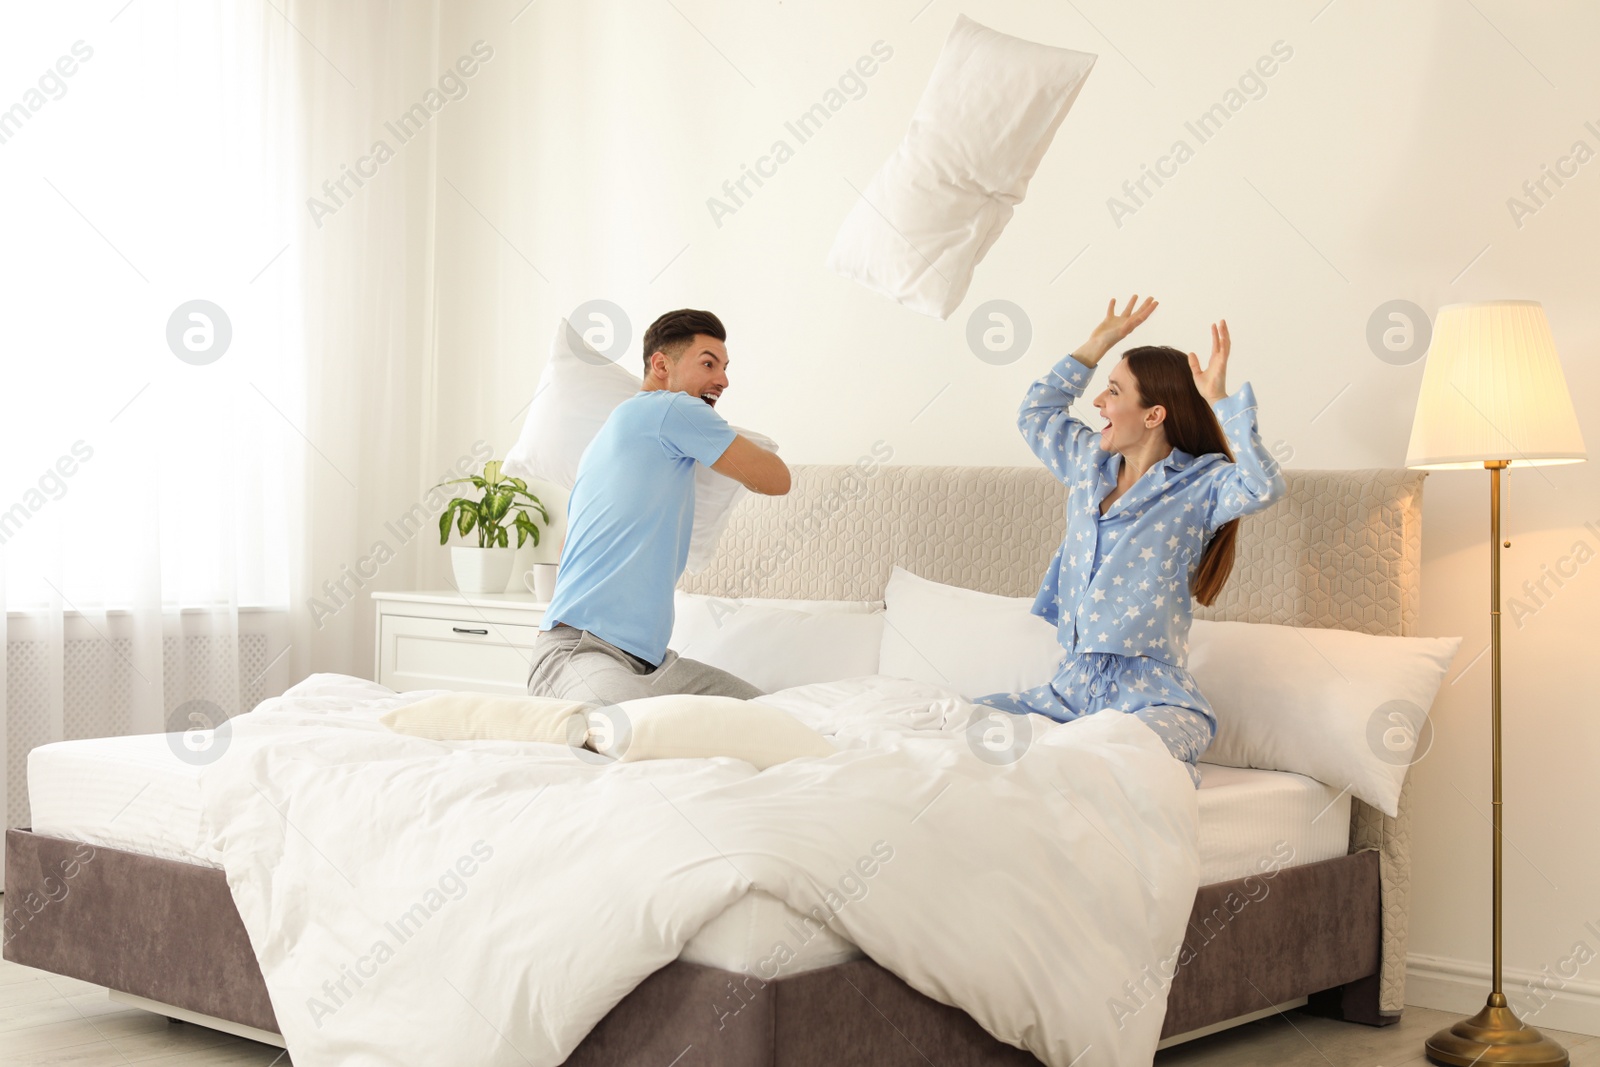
1342, 550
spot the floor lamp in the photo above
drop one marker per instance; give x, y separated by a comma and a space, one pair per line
1492, 395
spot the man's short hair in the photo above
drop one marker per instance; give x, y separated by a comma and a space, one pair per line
672, 332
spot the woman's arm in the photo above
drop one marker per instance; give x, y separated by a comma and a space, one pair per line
1057, 437
1253, 481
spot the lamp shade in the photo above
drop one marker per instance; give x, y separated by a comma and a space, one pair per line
1493, 389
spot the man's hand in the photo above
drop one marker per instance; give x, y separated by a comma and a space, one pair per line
1113, 329
1212, 381
754, 467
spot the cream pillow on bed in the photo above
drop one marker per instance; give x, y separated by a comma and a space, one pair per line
690, 726
489, 717
989, 112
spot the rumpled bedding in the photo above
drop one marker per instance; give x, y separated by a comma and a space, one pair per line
414, 901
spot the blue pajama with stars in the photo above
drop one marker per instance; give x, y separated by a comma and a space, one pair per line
1117, 590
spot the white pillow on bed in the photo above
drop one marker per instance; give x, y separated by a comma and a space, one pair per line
773, 645
577, 393
1342, 707
820, 607
692, 726
942, 198
722, 606
975, 643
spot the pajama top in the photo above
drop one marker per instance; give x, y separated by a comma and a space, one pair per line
1120, 583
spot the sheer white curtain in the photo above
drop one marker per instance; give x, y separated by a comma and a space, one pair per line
173, 512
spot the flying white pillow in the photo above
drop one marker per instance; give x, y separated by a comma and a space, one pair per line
943, 197
577, 393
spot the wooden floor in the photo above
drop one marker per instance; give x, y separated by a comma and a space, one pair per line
50, 1021
1303, 1040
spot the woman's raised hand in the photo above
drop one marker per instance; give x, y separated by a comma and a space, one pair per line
1114, 328
1212, 380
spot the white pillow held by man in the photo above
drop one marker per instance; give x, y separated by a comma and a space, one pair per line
577, 392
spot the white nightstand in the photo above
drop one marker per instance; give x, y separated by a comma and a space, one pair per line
442, 639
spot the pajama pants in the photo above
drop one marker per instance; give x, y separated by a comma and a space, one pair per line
576, 665
1163, 697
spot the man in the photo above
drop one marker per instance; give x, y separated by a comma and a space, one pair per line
604, 636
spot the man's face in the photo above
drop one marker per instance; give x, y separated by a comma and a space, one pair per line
701, 371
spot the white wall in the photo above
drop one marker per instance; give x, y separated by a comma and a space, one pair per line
1376, 166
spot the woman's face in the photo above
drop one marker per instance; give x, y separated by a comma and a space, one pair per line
1128, 424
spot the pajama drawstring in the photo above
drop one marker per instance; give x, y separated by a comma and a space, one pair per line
1097, 673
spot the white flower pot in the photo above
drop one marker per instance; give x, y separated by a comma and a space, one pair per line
482, 570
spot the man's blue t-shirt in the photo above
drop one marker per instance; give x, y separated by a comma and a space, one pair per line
630, 517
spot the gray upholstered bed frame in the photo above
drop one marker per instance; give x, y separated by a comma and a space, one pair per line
1343, 550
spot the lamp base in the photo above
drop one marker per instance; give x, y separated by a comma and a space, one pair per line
1494, 1035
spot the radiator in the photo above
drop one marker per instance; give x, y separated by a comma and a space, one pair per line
98, 679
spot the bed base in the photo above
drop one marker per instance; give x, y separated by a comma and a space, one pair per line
184, 1015
168, 934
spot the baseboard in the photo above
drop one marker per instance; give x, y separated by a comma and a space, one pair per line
1541, 999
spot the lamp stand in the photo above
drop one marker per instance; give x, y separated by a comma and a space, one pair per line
1494, 1035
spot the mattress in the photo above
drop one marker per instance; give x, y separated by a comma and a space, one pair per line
136, 794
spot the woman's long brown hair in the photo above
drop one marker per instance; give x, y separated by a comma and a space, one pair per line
1163, 377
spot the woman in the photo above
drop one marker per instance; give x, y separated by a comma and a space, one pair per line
1152, 517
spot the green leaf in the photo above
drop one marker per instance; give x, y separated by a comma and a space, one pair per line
504, 538
499, 503
519, 483
466, 520
537, 506
526, 529
444, 523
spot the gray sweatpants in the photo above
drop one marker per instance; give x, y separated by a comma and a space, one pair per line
574, 664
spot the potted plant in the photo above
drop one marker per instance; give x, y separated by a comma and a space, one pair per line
487, 568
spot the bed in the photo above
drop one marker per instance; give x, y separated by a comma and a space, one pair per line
152, 916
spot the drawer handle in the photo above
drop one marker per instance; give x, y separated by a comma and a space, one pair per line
460, 630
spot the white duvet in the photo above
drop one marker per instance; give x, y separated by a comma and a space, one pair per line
413, 901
